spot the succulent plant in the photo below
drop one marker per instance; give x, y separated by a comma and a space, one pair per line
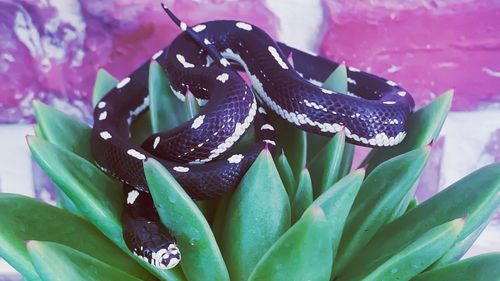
302, 215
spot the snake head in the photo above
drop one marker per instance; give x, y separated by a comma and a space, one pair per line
166, 258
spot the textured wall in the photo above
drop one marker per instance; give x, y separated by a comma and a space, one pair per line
51, 50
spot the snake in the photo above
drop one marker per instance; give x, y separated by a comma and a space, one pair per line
205, 60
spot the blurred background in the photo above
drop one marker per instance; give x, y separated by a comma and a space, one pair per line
51, 50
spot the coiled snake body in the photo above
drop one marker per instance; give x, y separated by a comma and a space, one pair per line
197, 153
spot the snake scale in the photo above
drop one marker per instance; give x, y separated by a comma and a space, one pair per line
204, 60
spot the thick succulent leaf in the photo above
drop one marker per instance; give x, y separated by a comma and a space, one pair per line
258, 214
166, 110
23, 218
293, 141
479, 268
141, 128
201, 257
412, 204
55, 262
336, 203
337, 82
303, 197
379, 197
409, 260
423, 127
286, 175
191, 106
325, 166
347, 157
98, 197
104, 82
462, 199
219, 221
63, 130
38, 132
302, 253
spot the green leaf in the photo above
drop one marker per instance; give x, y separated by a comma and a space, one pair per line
258, 214
423, 127
98, 197
479, 268
408, 259
460, 200
337, 202
23, 218
63, 130
347, 157
56, 262
325, 166
38, 132
166, 111
303, 197
201, 257
219, 221
293, 141
286, 174
191, 106
141, 128
104, 82
302, 253
379, 197
337, 81
413, 203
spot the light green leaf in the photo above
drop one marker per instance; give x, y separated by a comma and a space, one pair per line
409, 259
286, 174
63, 130
337, 202
56, 262
423, 127
258, 214
479, 268
347, 157
302, 253
98, 197
24, 219
325, 166
337, 81
460, 200
379, 197
166, 111
201, 257
104, 82
191, 106
303, 197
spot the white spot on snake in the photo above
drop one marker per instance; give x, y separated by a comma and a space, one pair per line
391, 83
207, 42
132, 195
181, 169
198, 121
224, 62
103, 115
353, 69
350, 80
270, 142
328, 92
277, 57
235, 159
262, 110
244, 26
402, 93
183, 61
183, 26
157, 141
223, 77
105, 135
199, 27
178, 94
101, 105
122, 83
267, 127
172, 263
389, 102
136, 154
157, 54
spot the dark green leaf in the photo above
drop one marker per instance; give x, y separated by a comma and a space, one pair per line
303, 197
191, 106
286, 175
